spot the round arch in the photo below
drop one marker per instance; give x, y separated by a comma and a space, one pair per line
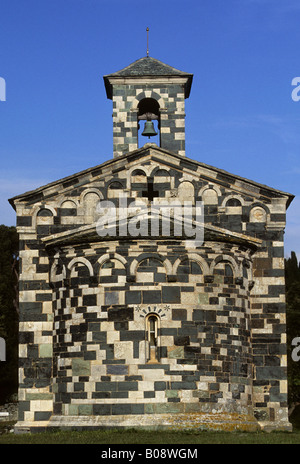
226, 259
191, 257
136, 262
108, 256
83, 261
151, 94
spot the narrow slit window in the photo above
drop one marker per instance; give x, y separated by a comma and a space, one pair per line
152, 339
153, 331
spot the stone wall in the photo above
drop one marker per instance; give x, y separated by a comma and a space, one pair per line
171, 101
84, 302
203, 357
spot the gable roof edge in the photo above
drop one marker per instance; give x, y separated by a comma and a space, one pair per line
140, 152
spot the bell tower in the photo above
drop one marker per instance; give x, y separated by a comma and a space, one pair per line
151, 95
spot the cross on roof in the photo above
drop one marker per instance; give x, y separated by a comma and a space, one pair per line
150, 193
147, 41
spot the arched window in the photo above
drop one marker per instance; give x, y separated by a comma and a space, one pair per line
233, 202
44, 217
152, 329
162, 173
138, 176
114, 189
148, 111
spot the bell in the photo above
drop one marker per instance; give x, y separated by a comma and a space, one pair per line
149, 130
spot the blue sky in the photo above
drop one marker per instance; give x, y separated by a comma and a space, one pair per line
241, 117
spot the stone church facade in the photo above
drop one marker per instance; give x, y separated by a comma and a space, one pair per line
141, 327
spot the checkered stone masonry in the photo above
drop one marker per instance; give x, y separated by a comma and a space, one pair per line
148, 80
85, 302
150, 331
125, 116
100, 341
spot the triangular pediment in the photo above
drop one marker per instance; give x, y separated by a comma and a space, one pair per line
189, 169
151, 223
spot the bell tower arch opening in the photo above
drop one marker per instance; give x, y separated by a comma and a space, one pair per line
148, 111
148, 86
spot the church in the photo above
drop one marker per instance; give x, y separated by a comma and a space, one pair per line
152, 286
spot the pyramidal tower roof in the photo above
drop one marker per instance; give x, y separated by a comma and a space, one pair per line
148, 67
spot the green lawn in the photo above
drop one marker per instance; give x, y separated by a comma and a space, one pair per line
126, 437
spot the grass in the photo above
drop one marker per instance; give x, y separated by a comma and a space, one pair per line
129, 437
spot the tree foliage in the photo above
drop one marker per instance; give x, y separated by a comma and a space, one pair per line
9, 309
292, 277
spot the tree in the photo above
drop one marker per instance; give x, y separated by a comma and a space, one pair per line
292, 270
292, 275
9, 260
